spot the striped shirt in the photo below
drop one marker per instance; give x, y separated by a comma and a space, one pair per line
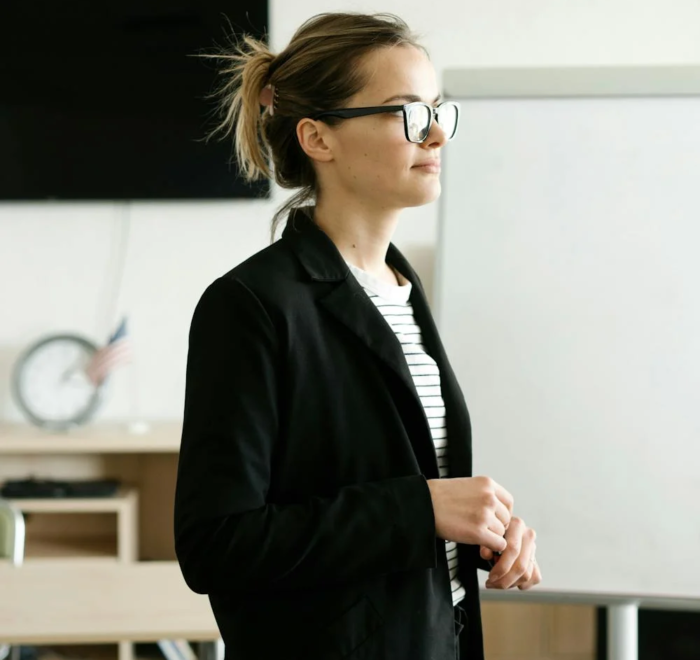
392, 300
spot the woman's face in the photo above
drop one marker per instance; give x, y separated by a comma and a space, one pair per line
370, 157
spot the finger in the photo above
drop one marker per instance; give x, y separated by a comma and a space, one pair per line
495, 542
535, 578
504, 496
525, 584
507, 560
510, 569
527, 575
496, 526
521, 568
485, 553
502, 513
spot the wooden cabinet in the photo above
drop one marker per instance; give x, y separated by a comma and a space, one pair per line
537, 631
98, 568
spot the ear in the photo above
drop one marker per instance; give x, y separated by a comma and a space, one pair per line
315, 139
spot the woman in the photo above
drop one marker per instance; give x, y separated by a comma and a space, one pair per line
312, 502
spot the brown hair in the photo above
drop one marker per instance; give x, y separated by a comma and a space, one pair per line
318, 70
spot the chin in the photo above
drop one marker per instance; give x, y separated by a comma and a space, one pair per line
420, 195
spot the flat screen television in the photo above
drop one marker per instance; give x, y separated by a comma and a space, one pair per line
104, 101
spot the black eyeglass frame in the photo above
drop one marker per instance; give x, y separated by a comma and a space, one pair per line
348, 113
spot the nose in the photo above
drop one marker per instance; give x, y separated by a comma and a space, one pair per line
436, 136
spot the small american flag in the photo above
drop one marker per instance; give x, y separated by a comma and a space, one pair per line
116, 352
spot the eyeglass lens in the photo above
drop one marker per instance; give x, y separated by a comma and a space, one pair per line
418, 120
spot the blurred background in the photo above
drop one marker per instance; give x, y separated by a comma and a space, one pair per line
114, 214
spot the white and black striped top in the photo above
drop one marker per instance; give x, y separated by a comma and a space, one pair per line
393, 302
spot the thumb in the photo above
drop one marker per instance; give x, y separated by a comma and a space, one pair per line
486, 553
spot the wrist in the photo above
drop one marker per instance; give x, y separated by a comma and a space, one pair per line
434, 486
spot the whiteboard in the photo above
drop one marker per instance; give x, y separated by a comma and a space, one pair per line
567, 296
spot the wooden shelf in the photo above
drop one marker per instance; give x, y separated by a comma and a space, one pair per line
76, 537
124, 498
102, 438
58, 552
71, 549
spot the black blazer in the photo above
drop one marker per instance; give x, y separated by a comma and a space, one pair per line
302, 507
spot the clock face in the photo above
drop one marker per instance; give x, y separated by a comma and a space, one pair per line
50, 382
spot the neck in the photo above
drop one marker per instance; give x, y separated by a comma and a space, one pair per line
362, 235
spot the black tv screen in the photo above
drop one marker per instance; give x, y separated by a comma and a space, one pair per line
104, 101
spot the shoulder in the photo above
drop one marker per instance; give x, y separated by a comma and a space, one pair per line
264, 282
266, 269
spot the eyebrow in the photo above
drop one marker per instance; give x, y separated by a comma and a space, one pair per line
411, 98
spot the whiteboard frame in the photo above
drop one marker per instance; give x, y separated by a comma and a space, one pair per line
543, 82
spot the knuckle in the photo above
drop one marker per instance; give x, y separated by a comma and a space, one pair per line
521, 566
490, 499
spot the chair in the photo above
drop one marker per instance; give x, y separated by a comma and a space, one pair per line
12, 532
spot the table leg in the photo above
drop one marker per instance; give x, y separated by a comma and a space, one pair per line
623, 631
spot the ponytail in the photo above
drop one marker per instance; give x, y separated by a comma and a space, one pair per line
245, 72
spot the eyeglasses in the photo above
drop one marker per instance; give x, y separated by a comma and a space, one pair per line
417, 117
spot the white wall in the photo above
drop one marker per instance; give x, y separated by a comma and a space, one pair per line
58, 261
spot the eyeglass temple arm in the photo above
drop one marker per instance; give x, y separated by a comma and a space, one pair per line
358, 112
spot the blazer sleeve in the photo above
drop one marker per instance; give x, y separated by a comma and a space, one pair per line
227, 536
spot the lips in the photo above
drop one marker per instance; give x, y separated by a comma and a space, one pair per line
429, 166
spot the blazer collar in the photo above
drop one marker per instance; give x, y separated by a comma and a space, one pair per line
318, 254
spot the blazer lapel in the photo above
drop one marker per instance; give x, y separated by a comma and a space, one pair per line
456, 412
350, 305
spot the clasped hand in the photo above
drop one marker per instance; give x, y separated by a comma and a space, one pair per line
516, 566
